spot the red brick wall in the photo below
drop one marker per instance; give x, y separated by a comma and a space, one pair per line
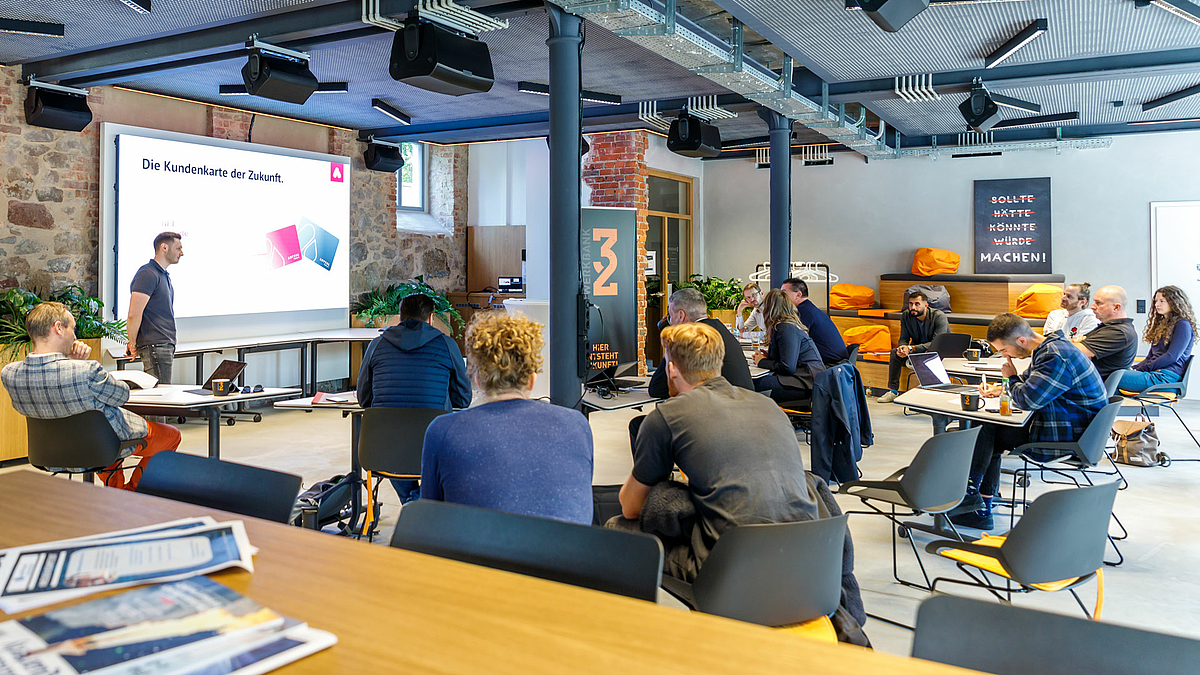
615, 170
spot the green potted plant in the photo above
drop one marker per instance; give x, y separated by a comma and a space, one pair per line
720, 295
90, 325
381, 306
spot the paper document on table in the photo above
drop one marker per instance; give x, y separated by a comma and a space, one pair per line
136, 379
42, 574
344, 398
987, 367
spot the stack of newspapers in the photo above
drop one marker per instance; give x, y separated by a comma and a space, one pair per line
185, 623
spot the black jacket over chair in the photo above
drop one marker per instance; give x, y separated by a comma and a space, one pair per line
841, 426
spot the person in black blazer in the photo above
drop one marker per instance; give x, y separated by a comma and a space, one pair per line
791, 356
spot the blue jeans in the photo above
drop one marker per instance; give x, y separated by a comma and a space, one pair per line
1136, 380
157, 360
403, 487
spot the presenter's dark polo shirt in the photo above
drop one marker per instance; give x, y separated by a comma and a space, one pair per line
158, 319
1114, 343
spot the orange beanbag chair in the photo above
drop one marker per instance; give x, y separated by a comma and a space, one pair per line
869, 338
1038, 300
930, 261
849, 296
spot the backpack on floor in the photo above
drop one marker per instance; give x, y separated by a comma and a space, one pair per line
1137, 443
331, 498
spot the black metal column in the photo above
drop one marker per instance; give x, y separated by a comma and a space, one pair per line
780, 129
566, 385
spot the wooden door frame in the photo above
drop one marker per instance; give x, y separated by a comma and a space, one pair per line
689, 184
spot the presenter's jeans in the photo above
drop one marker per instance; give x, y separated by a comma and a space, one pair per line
1136, 380
157, 360
159, 438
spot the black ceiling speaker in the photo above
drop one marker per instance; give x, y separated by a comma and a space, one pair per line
275, 77
383, 158
691, 136
891, 15
583, 145
64, 109
437, 59
980, 111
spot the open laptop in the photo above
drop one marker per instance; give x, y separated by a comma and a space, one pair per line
227, 370
932, 374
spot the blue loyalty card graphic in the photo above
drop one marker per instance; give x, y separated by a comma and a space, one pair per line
316, 243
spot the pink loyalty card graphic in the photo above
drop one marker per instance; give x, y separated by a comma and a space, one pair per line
337, 172
283, 246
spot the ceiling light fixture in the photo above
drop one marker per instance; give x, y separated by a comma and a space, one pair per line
1015, 103
139, 6
1027, 35
39, 28
390, 110
322, 88
1188, 11
584, 94
1171, 98
1175, 121
1039, 119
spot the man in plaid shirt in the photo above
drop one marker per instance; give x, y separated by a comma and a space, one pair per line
56, 380
1061, 388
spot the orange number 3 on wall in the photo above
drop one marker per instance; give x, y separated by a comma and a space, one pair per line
602, 286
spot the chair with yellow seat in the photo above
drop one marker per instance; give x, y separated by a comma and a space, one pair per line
784, 575
1166, 395
389, 446
1057, 545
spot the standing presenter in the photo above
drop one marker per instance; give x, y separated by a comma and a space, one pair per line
151, 321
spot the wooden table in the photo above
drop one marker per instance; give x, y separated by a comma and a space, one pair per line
396, 611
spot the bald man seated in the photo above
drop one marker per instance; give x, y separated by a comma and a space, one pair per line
1113, 344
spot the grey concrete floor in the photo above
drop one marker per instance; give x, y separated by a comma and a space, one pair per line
1157, 588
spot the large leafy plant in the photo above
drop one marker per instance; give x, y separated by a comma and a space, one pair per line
718, 293
381, 302
16, 304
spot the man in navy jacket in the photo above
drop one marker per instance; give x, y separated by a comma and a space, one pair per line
820, 327
413, 365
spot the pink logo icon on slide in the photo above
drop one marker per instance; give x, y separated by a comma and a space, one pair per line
336, 172
283, 246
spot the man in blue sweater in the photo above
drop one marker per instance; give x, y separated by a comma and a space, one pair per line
413, 365
820, 327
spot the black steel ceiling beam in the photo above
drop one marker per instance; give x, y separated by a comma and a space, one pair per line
1098, 69
1049, 133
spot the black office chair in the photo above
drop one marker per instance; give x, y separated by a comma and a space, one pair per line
80, 444
390, 443
934, 483
1166, 395
248, 490
625, 563
1057, 545
1007, 640
776, 574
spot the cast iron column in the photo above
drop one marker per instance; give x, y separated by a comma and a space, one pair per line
781, 196
566, 384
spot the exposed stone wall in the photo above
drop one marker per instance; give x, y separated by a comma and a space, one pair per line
615, 170
49, 184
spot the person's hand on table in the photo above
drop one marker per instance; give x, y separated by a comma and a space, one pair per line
758, 356
80, 351
1008, 369
989, 390
902, 351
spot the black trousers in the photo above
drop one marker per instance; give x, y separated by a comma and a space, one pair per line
993, 441
635, 425
895, 363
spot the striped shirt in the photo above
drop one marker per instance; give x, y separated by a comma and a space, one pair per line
1063, 390
52, 386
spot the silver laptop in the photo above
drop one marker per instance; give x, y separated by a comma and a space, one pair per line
931, 373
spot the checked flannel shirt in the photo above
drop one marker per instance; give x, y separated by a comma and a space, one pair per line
52, 386
1063, 390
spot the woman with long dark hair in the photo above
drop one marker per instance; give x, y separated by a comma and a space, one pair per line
1171, 331
791, 355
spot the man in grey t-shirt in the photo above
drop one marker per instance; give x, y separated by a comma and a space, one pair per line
702, 429
151, 321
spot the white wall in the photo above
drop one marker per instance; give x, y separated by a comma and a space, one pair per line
866, 219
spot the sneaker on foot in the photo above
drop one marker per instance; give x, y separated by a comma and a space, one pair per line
888, 397
979, 520
972, 502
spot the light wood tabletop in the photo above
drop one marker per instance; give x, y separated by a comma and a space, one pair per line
398, 611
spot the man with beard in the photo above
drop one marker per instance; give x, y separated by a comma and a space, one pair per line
1074, 319
919, 324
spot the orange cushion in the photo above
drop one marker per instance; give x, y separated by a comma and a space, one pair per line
876, 313
820, 628
849, 296
870, 338
1038, 300
930, 261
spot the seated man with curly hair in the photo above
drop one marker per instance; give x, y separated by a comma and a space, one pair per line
510, 453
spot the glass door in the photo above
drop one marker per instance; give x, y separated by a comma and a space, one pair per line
668, 249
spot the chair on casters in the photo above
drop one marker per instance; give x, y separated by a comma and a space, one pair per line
1085, 454
1165, 395
981, 636
217, 484
784, 575
1057, 545
83, 443
390, 442
934, 483
625, 563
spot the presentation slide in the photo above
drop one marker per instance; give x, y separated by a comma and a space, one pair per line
262, 232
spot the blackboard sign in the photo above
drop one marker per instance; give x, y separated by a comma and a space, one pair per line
609, 261
1012, 226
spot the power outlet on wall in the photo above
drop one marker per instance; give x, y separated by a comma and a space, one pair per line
1141, 306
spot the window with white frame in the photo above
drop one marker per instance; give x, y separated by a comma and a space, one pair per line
410, 192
